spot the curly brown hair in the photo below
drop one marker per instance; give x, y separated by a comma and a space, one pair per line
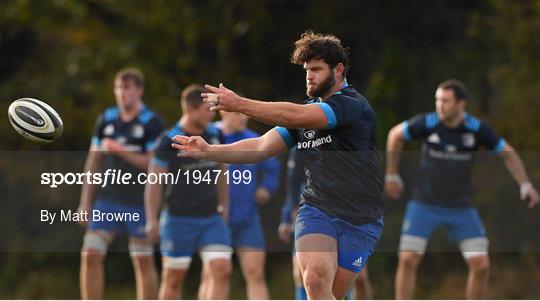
313, 45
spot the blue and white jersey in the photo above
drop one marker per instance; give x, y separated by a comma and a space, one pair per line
242, 205
344, 177
448, 155
137, 135
189, 196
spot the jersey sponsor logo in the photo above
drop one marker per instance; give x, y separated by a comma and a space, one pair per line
137, 131
309, 134
121, 139
451, 148
434, 138
357, 262
108, 130
451, 156
314, 143
468, 140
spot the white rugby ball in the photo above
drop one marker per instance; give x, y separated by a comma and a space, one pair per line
35, 120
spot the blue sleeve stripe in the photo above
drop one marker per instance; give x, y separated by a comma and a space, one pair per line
95, 141
332, 120
150, 145
160, 162
285, 135
500, 146
406, 132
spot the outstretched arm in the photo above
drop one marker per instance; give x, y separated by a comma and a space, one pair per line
515, 166
393, 183
244, 151
285, 114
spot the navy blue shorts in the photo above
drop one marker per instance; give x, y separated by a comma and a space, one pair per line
182, 236
422, 219
249, 234
355, 244
132, 228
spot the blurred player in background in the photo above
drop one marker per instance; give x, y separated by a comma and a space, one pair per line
244, 220
123, 139
443, 195
296, 181
191, 220
340, 218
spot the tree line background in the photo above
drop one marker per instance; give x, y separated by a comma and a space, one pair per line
66, 53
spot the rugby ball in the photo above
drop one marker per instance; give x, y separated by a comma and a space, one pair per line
35, 120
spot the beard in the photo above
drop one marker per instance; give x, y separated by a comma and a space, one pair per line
323, 87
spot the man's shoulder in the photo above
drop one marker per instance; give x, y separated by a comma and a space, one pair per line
110, 114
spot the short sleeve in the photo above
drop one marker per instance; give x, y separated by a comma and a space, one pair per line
153, 129
163, 152
97, 136
489, 139
341, 110
415, 128
289, 136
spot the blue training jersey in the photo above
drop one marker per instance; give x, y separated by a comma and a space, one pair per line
242, 205
344, 177
195, 192
139, 136
448, 156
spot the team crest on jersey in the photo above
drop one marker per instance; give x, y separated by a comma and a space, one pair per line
468, 140
108, 130
137, 131
309, 134
434, 138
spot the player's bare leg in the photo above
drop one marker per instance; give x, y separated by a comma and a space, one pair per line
406, 274
362, 286
94, 250
146, 279
203, 292
477, 281
317, 258
172, 282
252, 262
220, 270
92, 275
343, 282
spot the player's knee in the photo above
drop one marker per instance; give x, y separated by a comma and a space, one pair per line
409, 260
92, 257
316, 278
255, 273
172, 279
220, 269
97, 241
144, 264
479, 265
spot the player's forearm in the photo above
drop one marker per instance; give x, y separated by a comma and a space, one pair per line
152, 200
140, 161
241, 152
394, 147
285, 114
92, 165
223, 189
515, 166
